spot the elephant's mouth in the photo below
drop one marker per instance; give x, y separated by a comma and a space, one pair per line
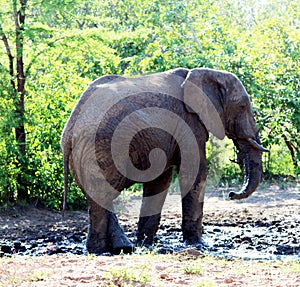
255, 143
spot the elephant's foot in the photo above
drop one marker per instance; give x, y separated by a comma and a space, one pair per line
106, 235
192, 231
95, 244
121, 244
193, 236
199, 244
193, 240
118, 241
147, 228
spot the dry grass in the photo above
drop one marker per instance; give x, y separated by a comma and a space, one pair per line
188, 268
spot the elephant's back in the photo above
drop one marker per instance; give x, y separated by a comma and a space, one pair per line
124, 120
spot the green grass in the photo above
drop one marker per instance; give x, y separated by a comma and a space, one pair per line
38, 276
193, 269
131, 276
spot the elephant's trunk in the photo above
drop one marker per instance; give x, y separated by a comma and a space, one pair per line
252, 160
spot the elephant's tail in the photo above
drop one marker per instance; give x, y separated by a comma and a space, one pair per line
66, 181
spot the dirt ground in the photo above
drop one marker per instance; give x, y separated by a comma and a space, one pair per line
185, 268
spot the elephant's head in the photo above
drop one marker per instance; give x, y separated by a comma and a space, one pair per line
224, 107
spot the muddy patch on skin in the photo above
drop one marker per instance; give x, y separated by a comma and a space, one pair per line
264, 226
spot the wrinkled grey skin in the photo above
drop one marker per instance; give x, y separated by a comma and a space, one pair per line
229, 100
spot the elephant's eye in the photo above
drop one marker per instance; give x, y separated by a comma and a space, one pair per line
245, 105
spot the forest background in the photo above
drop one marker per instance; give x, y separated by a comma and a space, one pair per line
51, 50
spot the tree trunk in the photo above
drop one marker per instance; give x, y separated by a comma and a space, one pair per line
293, 151
19, 17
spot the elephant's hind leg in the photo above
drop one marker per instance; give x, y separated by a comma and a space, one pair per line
154, 195
97, 239
118, 241
105, 234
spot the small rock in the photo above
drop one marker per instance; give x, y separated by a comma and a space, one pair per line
17, 244
6, 249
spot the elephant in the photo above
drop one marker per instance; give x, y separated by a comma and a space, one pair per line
126, 130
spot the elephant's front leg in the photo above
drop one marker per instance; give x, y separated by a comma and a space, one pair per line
192, 212
154, 195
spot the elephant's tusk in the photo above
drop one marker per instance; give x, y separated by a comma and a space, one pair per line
256, 145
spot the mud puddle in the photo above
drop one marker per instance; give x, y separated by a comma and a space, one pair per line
265, 226
279, 241
248, 242
254, 242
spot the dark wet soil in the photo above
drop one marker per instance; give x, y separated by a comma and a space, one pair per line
266, 226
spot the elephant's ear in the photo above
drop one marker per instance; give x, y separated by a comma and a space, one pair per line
202, 95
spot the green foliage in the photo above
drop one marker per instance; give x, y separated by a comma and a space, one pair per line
221, 169
68, 44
